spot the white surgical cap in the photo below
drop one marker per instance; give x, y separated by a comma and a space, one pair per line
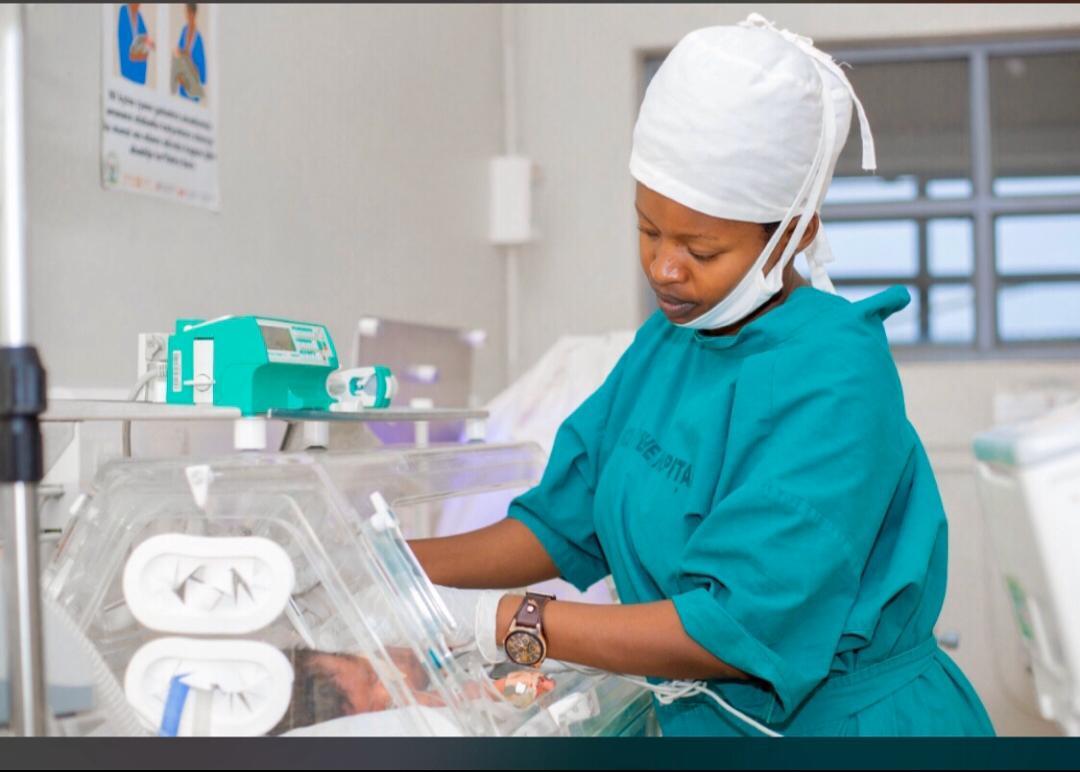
734, 125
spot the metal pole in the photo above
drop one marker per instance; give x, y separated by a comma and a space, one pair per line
23, 609
23, 396
15, 321
982, 175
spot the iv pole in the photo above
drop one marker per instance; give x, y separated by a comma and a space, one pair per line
22, 400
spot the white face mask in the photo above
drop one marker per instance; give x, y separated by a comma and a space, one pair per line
750, 294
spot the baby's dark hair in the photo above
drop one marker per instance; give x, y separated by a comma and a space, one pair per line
316, 694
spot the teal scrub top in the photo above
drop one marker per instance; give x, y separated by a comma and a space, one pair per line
770, 484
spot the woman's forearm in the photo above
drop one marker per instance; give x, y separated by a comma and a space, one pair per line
645, 639
640, 639
500, 556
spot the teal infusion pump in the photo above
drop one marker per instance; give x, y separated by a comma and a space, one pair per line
253, 363
261, 363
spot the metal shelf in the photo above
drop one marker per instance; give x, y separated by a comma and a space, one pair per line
382, 414
73, 410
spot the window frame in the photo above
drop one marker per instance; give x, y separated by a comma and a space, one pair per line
982, 207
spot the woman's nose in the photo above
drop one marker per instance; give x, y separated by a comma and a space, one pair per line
667, 266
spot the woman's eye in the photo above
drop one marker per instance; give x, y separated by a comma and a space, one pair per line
646, 232
696, 256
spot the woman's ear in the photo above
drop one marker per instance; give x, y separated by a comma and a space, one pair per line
807, 238
808, 235
811, 232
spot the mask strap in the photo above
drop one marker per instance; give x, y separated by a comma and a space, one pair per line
809, 195
819, 253
805, 192
820, 176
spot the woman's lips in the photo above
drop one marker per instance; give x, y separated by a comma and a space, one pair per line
674, 306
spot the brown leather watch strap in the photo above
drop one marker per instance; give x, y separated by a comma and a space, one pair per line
531, 611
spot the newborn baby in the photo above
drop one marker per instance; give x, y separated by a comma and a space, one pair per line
327, 686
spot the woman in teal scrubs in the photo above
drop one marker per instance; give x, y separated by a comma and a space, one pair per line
755, 490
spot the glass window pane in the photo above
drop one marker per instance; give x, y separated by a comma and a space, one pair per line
1039, 310
857, 190
873, 248
1035, 118
951, 245
1038, 243
943, 189
901, 327
919, 113
952, 313
1037, 186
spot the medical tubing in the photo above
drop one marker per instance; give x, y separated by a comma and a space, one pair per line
670, 691
144, 379
156, 370
114, 703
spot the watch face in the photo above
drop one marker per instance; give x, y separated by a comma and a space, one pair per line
524, 648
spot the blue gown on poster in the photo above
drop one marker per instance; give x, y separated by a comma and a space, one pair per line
198, 57
133, 70
770, 484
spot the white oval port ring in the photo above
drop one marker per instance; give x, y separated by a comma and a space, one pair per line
211, 585
209, 687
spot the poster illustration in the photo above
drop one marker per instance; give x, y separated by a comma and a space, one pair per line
159, 101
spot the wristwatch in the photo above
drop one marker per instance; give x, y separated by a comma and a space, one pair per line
524, 642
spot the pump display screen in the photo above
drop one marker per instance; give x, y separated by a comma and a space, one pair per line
277, 338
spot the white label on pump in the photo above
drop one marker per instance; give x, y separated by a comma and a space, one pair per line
177, 370
203, 371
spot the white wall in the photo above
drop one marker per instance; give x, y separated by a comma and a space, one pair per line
353, 145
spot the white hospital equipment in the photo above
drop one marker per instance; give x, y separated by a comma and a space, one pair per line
434, 367
209, 586
186, 589
1028, 476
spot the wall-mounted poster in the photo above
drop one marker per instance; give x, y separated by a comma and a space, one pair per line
159, 100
